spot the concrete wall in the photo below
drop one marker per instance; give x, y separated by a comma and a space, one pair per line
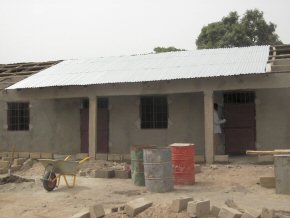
273, 119
54, 126
186, 123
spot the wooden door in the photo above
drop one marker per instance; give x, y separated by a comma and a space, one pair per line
103, 126
240, 128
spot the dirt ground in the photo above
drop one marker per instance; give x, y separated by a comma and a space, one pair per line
237, 181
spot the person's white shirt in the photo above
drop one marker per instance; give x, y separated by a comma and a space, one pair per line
217, 122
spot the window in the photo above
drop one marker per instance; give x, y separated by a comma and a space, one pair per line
18, 116
239, 97
154, 112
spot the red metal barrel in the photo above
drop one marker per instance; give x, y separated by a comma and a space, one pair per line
183, 163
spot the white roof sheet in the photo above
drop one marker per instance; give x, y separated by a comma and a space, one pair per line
151, 67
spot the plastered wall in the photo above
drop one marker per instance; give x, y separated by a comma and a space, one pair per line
273, 119
186, 123
54, 126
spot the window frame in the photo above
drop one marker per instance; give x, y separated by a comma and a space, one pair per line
20, 120
157, 109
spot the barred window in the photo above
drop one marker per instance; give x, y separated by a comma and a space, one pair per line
18, 116
239, 97
154, 112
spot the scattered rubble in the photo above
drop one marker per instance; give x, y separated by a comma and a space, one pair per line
14, 179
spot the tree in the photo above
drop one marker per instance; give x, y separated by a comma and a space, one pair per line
231, 31
168, 49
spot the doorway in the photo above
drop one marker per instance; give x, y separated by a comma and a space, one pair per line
102, 126
240, 127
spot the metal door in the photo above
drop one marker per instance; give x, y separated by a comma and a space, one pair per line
240, 128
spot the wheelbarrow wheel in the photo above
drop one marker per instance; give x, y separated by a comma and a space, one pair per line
49, 181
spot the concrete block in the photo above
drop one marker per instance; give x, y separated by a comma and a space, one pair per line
251, 214
265, 159
180, 204
221, 158
15, 154
46, 155
60, 156
199, 159
9, 159
126, 157
23, 154
19, 161
3, 154
268, 181
114, 209
103, 173
267, 213
101, 157
123, 174
84, 213
35, 155
97, 211
15, 168
227, 212
4, 164
82, 173
3, 170
198, 208
197, 168
114, 157
80, 156
215, 210
134, 207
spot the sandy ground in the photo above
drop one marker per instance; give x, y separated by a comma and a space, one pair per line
237, 182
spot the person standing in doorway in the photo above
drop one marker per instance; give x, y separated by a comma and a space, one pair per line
218, 145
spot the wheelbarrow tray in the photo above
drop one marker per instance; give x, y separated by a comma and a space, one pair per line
61, 166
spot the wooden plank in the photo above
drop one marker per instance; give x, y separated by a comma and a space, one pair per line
280, 151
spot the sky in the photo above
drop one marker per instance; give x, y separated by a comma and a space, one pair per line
45, 30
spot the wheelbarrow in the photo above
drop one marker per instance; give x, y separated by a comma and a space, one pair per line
54, 169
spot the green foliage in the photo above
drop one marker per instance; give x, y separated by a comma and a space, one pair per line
232, 31
168, 49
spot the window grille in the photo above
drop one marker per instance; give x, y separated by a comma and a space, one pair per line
239, 97
154, 112
18, 116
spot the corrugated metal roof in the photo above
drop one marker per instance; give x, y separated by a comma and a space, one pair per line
152, 67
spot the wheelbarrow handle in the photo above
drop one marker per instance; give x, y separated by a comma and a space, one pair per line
84, 160
67, 158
